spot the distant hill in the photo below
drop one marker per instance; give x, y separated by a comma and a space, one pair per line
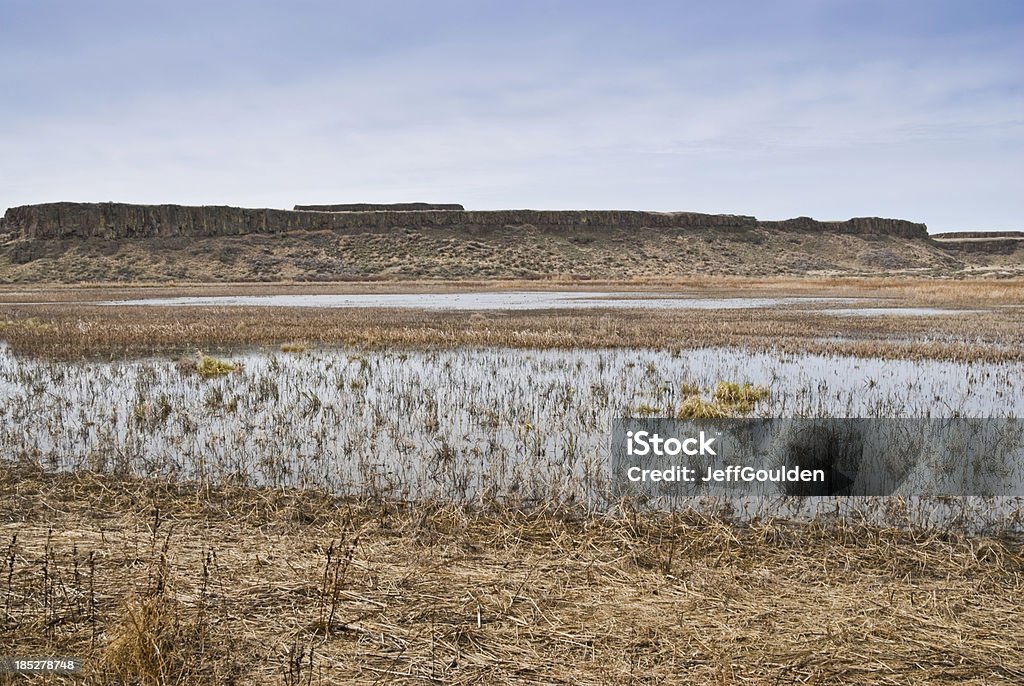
77, 242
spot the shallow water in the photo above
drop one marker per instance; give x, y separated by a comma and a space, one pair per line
546, 300
504, 300
464, 424
898, 311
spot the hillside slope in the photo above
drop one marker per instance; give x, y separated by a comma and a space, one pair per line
69, 242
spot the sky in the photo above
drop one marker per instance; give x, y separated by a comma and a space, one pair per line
825, 108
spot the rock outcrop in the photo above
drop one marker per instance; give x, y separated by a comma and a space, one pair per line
979, 235
369, 207
67, 220
858, 225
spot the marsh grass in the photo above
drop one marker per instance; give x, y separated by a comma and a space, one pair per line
148, 643
739, 397
73, 328
307, 588
209, 367
506, 424
689, 388
696, 408
911, 289
475, 551
729, 399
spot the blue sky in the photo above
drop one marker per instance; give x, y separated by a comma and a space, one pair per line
826, 108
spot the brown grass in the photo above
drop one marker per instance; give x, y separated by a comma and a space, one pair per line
75, 330
696, 408
255, 586
728, 400
57, 321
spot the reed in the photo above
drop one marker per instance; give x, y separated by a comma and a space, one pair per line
456, 594
106, 333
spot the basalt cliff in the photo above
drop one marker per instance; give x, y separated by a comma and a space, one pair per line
118, 220
67, 241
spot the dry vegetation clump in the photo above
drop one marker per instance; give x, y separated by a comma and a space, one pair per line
145, 642
156, 639
207, 366
729, 399
740, 397
294, 347
238, 585
695, 407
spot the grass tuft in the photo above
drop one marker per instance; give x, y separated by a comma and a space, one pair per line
742, 398
729, 400
144, 642
208, 367
696, 408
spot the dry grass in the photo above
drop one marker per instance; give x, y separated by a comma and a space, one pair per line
68, 331
59, 322
208, 366
742, 397
696, 408
729, 399
258, 586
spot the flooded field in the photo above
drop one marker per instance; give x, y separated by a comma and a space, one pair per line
907, 319
469, 395
373, 478
463, 425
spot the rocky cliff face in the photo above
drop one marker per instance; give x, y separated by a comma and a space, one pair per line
877, 226
984, 235
108, 221
367, 207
